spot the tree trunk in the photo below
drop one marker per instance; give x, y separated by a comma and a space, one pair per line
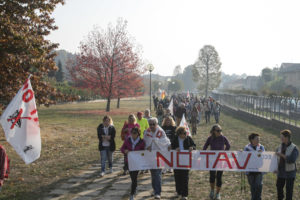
108, 104
207, 81
118, 104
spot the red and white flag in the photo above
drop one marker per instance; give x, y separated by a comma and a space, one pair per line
185, 124
171, 107
188, 94
20, 123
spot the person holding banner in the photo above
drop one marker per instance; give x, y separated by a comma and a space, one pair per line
125, 133
255, 179
287, 154
106, 135
133, 143
182, 142
156, 139
217, 141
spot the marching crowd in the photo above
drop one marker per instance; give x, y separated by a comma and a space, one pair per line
165, 133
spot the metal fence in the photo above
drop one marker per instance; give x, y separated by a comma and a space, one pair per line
285, 109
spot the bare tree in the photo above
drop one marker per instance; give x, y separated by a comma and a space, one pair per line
207, 69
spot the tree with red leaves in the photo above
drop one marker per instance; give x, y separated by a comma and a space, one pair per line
109, 63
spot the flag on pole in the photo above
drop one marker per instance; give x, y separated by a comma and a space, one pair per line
20, 123
185, 124
171, 108
188, 94
163, 95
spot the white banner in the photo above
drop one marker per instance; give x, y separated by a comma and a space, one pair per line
21, 124
247, 161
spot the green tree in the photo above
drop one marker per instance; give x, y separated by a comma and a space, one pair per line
266, 74
175, 85
177, 70
207, 69
59, 75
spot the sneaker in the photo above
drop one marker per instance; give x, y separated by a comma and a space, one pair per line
124, 173
157, 196
218, 197
102, 174
111, 170
184, 198
212, 194
131, 197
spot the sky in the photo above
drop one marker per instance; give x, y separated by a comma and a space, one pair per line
248, 34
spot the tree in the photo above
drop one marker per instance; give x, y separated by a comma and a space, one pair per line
175, 85
108, 62
187, 78
177, 70
24, 49
207, 69
59, 75
266, 75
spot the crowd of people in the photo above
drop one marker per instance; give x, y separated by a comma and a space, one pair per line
138, 133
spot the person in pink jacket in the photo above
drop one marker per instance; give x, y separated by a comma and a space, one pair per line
133, 143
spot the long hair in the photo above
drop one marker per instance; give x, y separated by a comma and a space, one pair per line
132, 116
168, 118
108, 117
213, 128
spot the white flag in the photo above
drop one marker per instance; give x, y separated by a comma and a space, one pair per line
185, 124
171, 107
21, 124
188, 94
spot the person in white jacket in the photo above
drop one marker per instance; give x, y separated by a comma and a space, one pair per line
156, 139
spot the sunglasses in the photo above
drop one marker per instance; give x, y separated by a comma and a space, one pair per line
151, 124
219, 131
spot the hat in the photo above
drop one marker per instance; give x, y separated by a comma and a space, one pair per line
139, 113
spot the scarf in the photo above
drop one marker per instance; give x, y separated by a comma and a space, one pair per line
134, 142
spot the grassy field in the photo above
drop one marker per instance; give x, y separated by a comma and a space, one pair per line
70, 144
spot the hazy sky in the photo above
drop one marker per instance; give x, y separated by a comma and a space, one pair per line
248, 34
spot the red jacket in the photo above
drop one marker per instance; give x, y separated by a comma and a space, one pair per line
127, 145
4, 164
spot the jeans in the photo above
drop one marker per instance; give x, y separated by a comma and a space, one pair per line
217, 116
289, 182
156, 180
199, 116
212, 177
106, 154
182, 182
133, 176
207, 116
256, 183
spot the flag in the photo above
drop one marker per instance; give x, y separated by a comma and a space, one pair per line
185, 124
171, 107
188, 94
163, 95
20, 123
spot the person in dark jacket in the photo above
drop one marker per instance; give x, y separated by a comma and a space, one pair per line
133, 143
217, 141
182, 142
287, 154
106, 135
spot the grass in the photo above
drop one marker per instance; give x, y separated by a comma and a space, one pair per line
70, 144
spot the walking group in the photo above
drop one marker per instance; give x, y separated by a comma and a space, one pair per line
163, 133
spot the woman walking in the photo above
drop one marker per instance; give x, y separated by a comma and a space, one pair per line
194, 119
255, 179
287, 154
133, 143
106, 135
182, 142
125, 133
217, 141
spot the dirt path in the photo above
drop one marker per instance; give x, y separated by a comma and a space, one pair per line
89, 185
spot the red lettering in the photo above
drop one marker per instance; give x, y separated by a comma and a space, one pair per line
25, 98
159, 155
222, 159
207, 157
245, 163
190, 160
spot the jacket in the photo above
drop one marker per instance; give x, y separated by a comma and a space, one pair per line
111, 133
187, 143
291, 154
127, 145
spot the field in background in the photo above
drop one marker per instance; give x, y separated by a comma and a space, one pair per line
70, 144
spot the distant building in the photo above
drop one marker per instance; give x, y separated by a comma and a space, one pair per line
291, 73
252, 83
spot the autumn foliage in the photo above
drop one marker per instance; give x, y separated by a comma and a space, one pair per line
24, 49
109, 63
